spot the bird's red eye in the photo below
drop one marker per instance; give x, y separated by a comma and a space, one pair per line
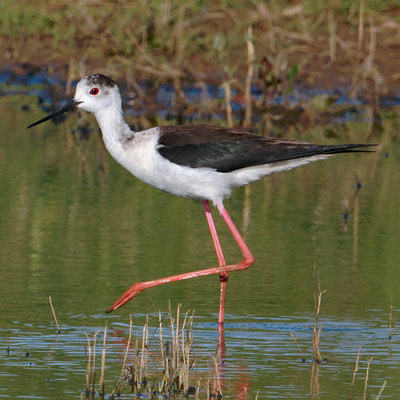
94, 91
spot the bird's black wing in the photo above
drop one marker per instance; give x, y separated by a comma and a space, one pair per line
227, 150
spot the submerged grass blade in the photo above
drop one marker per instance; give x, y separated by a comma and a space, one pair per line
54, 315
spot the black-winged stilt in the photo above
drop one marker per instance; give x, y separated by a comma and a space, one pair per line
198, 161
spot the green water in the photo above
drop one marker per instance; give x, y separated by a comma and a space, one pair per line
77, 227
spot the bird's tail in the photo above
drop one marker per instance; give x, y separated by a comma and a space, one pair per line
347, 148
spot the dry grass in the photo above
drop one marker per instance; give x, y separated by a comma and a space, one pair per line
353, 380
316, 338
54, 316
168, 372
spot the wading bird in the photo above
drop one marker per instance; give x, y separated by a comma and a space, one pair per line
198, 161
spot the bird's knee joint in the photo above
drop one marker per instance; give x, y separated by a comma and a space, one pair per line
249, 261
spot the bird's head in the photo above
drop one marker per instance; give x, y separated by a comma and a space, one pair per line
94, 93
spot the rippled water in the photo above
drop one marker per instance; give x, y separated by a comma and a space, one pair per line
75, 226
260, 354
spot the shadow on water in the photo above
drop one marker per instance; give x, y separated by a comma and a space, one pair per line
77, 227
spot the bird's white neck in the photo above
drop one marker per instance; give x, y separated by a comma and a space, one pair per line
113, 127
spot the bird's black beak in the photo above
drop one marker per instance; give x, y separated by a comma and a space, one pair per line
69, 106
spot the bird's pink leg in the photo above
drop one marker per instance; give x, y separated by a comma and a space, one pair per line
223, 277
247, 261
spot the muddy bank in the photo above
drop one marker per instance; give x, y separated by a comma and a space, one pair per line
305, 44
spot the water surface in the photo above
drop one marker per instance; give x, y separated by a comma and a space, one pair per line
77, 227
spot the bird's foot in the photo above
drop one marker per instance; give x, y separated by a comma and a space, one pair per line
129, 294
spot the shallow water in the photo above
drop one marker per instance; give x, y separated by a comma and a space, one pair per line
75, 226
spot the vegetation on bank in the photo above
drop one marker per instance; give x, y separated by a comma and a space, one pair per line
347, 47
169, 40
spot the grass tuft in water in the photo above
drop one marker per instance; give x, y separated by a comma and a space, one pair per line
168, 372
318, 361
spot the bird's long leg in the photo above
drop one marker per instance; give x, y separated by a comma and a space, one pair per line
223, 277
247, 261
